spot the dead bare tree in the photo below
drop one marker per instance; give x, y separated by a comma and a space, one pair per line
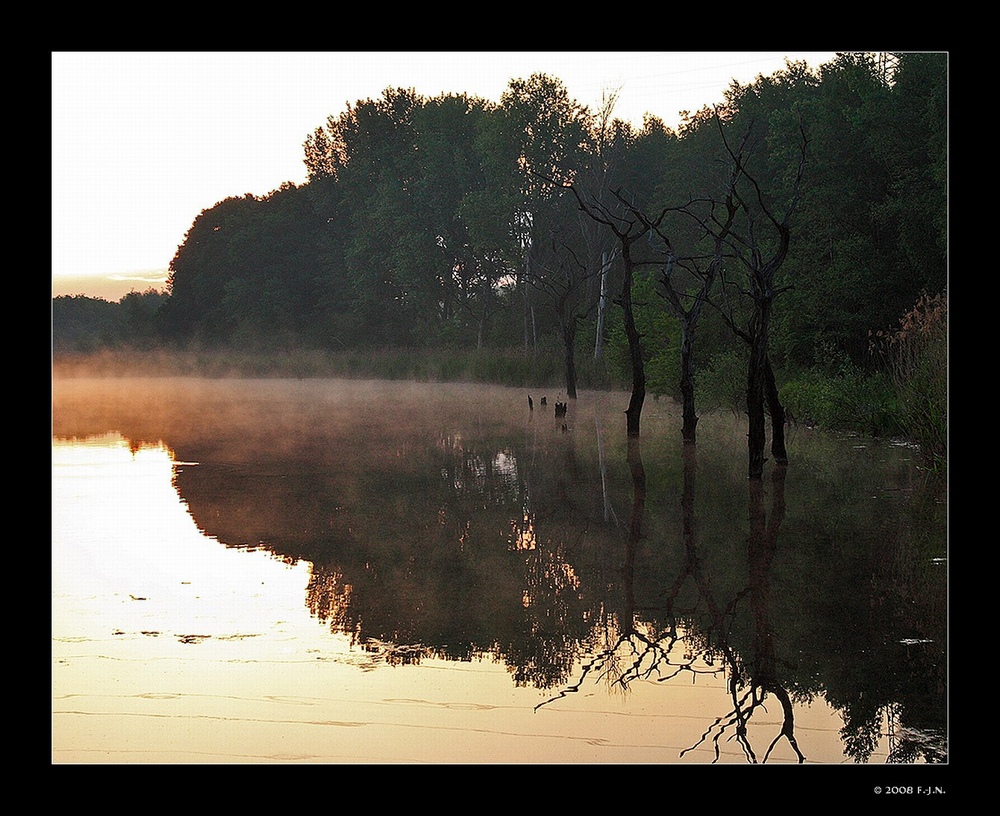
607, 258
564, 280
686, 300
630, 226
758, 244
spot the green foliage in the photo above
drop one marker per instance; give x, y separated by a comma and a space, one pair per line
849, 401
87, 325
905, 396
424, 203
406, 252
138, 316
838, 395
663, 363
661, 339
722, 383
915, 361
81, 323
870, 231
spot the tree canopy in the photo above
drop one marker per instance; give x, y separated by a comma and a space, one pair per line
449, 222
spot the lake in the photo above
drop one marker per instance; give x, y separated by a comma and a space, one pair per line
348, 571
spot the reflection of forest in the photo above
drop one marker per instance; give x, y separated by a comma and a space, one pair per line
461, 526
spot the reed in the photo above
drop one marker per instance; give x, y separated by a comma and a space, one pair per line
915, 359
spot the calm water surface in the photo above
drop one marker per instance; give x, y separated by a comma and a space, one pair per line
360, 572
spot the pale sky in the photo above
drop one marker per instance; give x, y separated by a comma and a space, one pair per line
142, 142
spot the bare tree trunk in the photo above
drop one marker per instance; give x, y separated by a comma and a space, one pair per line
634, 411
628, 229
688, 429
748, 247
689, 317
777, 412
569, 349
756, 434
527, 274
602, 304
755, 388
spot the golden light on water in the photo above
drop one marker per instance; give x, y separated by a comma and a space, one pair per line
169, 646
122, 534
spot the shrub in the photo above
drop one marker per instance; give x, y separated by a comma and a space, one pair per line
722, 384
914, 357
847, 401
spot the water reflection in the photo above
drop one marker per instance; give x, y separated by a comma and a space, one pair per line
640, 651
456, 525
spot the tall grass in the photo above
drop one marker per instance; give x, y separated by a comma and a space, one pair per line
721, 385
915, 359
905, 395
850, 400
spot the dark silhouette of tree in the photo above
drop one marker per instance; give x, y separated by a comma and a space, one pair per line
81, 323
686, 300
200, 271
757, 242
564, 280
537, 134
631, 227
428, 222
451, 184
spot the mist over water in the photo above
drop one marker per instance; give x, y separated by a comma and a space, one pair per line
421, 559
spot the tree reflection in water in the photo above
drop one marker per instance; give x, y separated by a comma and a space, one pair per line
636, 656
488, 534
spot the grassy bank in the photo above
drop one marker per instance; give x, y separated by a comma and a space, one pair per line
906, 406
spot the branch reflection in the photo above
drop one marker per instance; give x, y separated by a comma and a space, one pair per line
572, 557
637, 655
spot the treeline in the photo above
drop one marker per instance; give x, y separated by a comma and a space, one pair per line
88, 324
448, 223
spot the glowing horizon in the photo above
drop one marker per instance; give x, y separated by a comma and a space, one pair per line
143, 142
110, 286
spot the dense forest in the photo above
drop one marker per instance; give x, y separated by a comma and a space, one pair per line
797, 231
